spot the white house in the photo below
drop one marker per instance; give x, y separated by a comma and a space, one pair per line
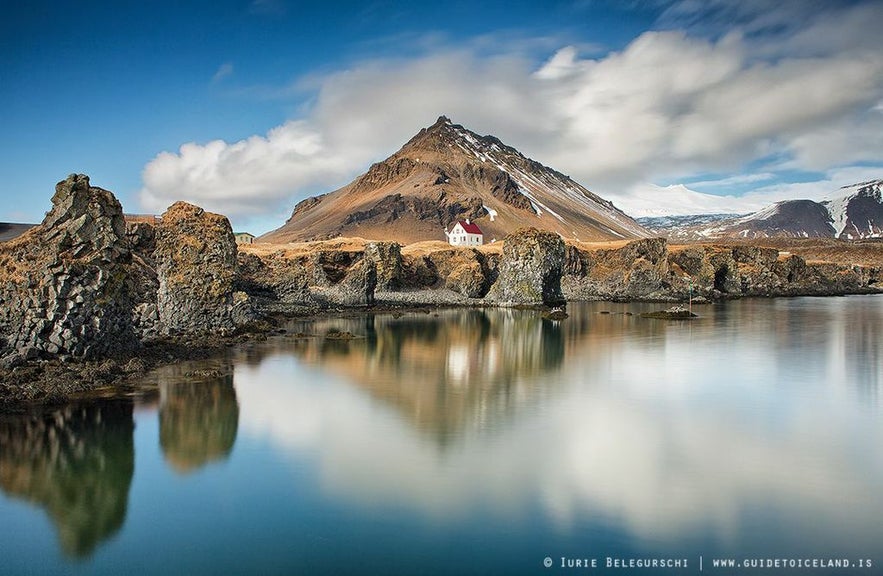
465, 233
243, 238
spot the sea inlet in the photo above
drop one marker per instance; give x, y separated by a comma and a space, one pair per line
475, 441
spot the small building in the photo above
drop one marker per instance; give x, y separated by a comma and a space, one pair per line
244, 238
465, 233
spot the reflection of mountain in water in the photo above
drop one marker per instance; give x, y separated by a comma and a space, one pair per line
460, 368
77, 462
197, 421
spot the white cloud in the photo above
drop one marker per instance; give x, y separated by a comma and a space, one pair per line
641, 449
668, 106
224, 70
737, 180
243, 177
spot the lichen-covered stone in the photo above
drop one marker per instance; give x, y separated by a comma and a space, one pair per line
638, 270
322, 277
387, 258
357, 286
468, 279
66, 288
530, 270
196, 267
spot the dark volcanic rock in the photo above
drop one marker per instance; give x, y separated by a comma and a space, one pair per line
196, 265
387, 258
357, 286
530, 270
638, 270
67, 291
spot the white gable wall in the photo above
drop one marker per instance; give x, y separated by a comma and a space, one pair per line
459, 237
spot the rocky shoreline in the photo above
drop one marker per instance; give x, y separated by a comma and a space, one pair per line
88, 303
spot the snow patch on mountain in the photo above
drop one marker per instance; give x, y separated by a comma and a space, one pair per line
531, 185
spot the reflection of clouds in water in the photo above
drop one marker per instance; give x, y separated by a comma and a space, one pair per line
661, 469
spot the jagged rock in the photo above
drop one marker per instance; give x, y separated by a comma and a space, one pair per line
244, 311
387, 258
530, 270
467, 279
196, 265
321, 275
638, 270
357, 286
66, 291
142, 238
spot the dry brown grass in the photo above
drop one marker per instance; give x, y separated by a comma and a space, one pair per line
863, 252
815, 250
599, 245
296, 249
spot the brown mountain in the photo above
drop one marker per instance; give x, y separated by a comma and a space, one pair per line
446, 173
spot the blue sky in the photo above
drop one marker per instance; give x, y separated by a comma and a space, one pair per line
246, 107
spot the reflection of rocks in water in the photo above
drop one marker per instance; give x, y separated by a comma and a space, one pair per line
198, 420
76, 462
455, 370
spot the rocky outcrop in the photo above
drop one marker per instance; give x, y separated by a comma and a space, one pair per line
356, 288
196, 266
464, 271
530, 270
67, 290
638, 270
325, 276
387, 258
648, 270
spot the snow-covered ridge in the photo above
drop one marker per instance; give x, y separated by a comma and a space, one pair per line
535, 181
838, 207
857, 214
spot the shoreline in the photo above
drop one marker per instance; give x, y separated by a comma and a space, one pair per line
37, 384
91, 302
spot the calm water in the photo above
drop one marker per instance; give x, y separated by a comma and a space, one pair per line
474, 442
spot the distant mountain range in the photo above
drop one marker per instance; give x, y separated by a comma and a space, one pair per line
9, 230
447, 173
853, 212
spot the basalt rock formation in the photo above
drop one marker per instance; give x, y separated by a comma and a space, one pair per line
67, 289
83, 286
530, 270
196, 266
651, 270
322, 274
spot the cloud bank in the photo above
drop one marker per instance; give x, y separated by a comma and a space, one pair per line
674, 104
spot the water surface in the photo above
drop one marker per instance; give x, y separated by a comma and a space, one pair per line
473, 441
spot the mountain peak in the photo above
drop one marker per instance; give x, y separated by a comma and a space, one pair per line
447, 173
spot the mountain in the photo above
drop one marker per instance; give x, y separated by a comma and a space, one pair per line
855, 212
672, 225
858, 211
9, 230
447, 173
652, 201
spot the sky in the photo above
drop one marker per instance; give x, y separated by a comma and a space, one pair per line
246, 107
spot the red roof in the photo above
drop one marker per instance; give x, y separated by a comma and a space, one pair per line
470, 228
